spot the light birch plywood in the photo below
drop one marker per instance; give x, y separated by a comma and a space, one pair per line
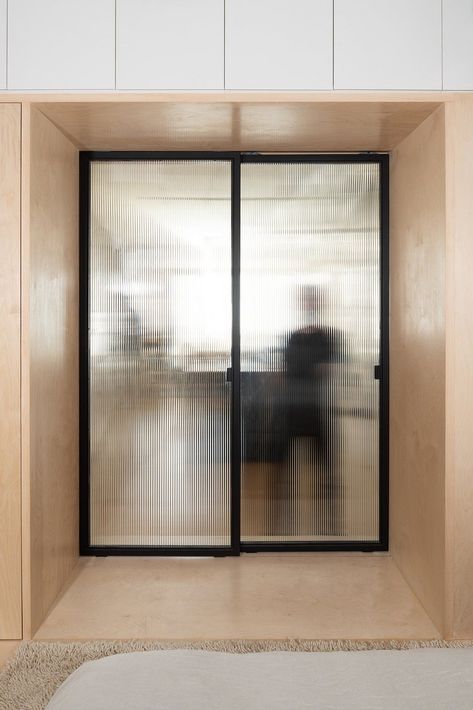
418, 164
417, 363
273, 596
206, 97
25, 369
10, 484
53, 363
459, 379
240, 125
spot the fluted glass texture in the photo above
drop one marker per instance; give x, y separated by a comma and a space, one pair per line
160, 345
310, 340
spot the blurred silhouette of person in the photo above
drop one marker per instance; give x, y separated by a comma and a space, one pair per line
130, 325
309, 405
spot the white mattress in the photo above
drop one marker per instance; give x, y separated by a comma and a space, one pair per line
430, 679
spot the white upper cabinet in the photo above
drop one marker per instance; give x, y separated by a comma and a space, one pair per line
170, 44
458, 44
278, 44
61, 44
388, 44
3, 44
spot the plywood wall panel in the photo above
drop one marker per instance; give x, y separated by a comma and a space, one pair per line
25, 369
459, 352
10, 485
53, 367
417, 362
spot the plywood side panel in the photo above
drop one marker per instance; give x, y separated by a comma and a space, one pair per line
53, 331
25, 369
10, 484
459, 394
417, 386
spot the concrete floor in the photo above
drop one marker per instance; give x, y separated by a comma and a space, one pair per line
258, 596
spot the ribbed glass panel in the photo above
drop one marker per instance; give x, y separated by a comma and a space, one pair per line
310, 339
160, 344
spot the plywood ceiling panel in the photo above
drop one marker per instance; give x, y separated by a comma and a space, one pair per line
281, 126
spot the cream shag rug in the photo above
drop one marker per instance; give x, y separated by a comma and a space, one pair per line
32, 675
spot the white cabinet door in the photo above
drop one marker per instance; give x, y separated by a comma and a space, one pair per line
61, 44
3, 44
458, 44
170, 44
278, 44
388, 44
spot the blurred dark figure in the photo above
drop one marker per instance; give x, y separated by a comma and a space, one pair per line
310, 407
129, 325
297, 404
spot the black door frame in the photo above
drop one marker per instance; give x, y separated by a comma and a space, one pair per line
236, 546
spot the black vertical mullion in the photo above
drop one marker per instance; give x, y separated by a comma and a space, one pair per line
84, 380
236, 396
384, 355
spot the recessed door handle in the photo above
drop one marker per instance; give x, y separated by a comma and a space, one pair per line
229, 377
377, 372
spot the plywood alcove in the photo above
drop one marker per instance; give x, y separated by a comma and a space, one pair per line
429, 138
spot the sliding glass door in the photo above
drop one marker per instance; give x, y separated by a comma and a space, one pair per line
159, 347
310, 349
233, 353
